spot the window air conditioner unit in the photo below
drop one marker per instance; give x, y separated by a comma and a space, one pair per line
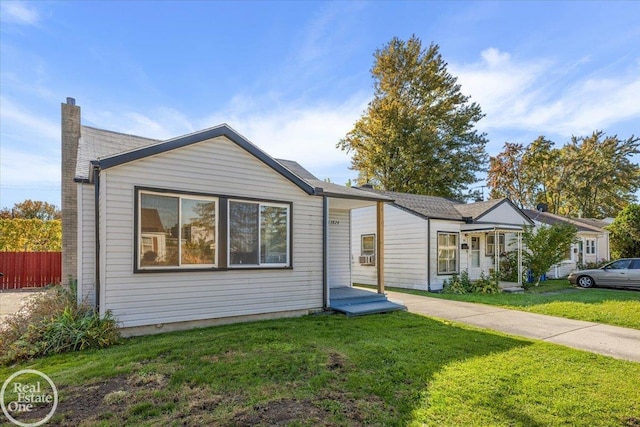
367, 260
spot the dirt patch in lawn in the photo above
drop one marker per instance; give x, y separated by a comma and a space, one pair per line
146, 397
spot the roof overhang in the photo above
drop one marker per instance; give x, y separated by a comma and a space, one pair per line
344, 201
485, 228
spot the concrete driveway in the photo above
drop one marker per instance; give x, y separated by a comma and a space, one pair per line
11, 301
614, 341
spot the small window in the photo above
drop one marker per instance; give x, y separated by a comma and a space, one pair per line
368, 244
258, 234
491, 244
447, 253
590, 246
368, 249
176, 231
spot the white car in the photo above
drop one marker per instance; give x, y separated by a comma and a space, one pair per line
623, 273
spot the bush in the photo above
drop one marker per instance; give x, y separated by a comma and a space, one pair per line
487, 284
54, 322
592, 265
457, 284
509, 267
461, 284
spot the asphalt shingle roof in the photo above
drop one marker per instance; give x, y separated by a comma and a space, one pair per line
98, 143
583, 224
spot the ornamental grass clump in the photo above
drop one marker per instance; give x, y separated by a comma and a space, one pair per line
54, 322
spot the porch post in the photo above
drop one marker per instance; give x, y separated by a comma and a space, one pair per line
496, 251
380, 245
520, 258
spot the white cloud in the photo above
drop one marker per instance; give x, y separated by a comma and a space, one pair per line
19, 12
21, 169
546, 96
29, 123
306, 134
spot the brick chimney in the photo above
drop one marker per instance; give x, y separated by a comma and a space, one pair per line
70, 140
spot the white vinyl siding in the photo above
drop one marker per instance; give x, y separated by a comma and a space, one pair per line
339, 266
217, 167
503, 214
405, 248
86, 244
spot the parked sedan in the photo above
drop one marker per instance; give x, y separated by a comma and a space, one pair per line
623, 273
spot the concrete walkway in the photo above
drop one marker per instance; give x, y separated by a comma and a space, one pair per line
12, 301
614, 341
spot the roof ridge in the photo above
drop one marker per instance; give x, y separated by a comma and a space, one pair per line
122, 133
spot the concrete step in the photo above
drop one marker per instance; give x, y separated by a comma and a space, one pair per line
372, 307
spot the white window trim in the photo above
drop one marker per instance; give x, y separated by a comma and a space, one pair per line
457, 252
180, 266
259, 264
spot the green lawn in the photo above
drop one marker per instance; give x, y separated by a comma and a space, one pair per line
559, 298
395, 369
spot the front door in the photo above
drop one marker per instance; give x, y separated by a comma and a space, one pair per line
474, 258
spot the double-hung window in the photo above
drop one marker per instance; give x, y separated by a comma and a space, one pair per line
447, 253
176, 231
591, 246
492, 242
259, 234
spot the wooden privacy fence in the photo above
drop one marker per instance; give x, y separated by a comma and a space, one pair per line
29, 269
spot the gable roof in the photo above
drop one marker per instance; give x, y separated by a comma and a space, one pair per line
108, 149
583, 224
441, 207
424, 206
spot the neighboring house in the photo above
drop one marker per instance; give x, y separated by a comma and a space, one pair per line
592, 245
428, 239
200, 229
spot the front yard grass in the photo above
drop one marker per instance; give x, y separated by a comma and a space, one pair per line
395, 369
559, 298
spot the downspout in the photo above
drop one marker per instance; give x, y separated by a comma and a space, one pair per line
428, 254
325, 251
96, 186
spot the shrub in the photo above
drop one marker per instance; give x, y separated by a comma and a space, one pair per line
461, 284
457, 284
487, 284
53, 322
509, 267
592, 265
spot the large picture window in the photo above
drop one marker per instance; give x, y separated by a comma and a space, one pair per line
258, 234
447, 253
176, 231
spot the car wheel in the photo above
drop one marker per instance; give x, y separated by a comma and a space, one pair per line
585, 282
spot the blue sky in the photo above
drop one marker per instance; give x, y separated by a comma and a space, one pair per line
293, 77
